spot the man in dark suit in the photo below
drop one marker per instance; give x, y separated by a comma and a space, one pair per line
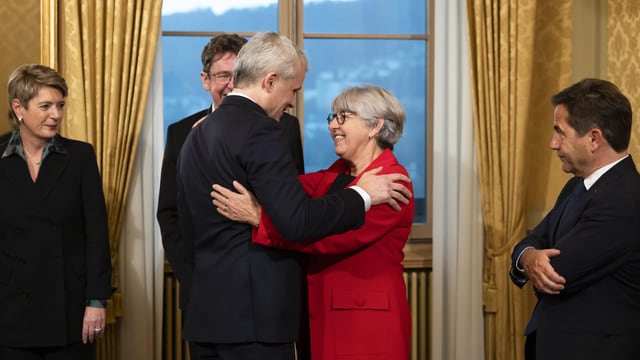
245, 298
584, 257
218, 58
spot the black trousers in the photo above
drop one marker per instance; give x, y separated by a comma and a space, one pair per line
245, 351
77, 351
193, 351
530, 347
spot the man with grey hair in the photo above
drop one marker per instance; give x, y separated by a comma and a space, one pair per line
218, 58
245, 298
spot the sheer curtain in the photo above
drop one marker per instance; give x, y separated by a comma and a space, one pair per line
142, 256
457, 322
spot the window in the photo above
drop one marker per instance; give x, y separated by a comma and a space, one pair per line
348, 42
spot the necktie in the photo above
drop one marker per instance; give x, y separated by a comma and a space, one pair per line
578, 190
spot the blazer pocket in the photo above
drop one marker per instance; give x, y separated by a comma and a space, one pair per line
360, 319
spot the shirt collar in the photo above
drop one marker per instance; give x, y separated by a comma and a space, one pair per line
591, 179
15, 147
241, 94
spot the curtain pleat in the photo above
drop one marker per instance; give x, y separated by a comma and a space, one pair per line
105, 50
511, 81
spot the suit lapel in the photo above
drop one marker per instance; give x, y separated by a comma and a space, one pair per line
52, 169
15, 170
607, 179
555, 220
571, 217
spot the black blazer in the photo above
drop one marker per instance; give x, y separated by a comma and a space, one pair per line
54, 246
167, 213
597, 315
243, 292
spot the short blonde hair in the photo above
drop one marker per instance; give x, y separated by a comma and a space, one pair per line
25, 82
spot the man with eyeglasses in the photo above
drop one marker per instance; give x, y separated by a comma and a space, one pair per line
218, 59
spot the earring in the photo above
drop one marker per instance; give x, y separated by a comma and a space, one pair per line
20, 121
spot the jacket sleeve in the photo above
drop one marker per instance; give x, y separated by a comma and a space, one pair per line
272, 179
380, 220
96, 231
167, 214
604, 239
538, 238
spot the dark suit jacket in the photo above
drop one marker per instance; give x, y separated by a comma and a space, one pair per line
597, 315
243, 292
54, 246
167, 213
167, 199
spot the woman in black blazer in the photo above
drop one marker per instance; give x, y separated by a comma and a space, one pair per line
55, 267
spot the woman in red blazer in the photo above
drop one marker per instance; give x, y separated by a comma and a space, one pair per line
358, 306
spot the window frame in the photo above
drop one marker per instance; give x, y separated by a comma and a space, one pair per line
290, 23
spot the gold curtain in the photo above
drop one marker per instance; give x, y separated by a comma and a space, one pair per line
105, 50
519, 56
623, 50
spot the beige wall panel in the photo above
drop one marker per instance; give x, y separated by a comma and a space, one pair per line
573, 46
20, 29
624, 59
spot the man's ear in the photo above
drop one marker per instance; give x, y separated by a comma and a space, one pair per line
203, 78
268, 82
596, 139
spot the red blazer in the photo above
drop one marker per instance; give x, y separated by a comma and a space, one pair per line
358, 305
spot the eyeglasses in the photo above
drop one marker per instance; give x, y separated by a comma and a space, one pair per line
340, 117
222, 77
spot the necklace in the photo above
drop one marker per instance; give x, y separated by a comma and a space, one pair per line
35, 161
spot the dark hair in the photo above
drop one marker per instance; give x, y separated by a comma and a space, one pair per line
218, 46
596, 103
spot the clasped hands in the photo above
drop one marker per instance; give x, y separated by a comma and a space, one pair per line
537, 267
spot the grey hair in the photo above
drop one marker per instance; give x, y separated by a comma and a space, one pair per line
372, 103
267, 52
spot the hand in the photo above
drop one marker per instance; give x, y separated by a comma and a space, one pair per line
537, 266
241, 206
385, 189
93, 323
